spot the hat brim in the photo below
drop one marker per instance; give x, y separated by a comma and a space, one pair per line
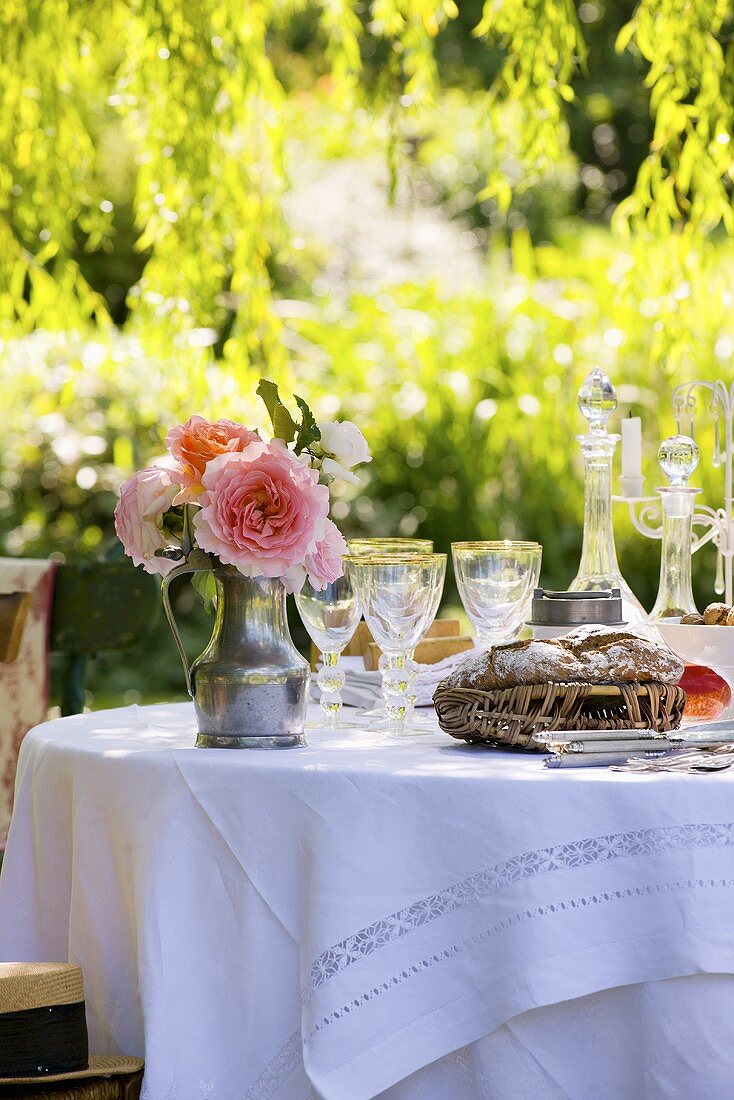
100, 1065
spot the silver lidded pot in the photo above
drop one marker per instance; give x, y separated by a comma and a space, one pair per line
555, 613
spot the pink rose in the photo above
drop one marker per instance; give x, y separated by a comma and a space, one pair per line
144, 500
263, 511
324, 565
197, 442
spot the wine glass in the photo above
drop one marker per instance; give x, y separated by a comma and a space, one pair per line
496, 581
382, 547
330, 617
399, 596
364, 548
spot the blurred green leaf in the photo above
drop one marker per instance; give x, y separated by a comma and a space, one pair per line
284, 426
308, 430
206, 588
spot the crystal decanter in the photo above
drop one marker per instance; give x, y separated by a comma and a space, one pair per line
598, 568
678, 458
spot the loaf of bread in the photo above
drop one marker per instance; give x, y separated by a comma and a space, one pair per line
587, 655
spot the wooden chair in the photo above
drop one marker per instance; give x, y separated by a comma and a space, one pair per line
98, 606
14, 608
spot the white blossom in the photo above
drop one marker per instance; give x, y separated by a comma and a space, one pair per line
343, 442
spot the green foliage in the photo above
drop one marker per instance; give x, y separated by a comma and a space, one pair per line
161, 128
49, 76
82, 413
284, 426
468, 400
308, 429
206, 588
194, 93
544, 49
689, 171
191, 90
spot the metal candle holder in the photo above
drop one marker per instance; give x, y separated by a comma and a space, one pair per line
714, 525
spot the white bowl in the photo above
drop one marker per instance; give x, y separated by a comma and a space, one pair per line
712, 646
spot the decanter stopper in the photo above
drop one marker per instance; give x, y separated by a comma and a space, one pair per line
597, 399
678, 457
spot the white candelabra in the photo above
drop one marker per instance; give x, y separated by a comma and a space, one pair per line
714, 525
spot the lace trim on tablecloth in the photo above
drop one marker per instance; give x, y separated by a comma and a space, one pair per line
516, 918
576, 854
279, 1069
540, 861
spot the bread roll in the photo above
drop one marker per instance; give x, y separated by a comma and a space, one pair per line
587, 655
716, 614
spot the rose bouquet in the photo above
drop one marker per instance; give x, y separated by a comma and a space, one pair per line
259, 506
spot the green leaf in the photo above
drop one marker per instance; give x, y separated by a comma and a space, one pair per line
308, 430
624, 37
284, 426
205, 586
268, 391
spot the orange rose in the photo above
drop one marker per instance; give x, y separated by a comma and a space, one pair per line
196, 442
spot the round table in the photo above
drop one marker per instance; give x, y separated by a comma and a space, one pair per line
424, 919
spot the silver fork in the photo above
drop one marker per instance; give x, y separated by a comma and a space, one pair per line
715, 759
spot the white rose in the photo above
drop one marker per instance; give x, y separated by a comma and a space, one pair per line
343, 441
332, 469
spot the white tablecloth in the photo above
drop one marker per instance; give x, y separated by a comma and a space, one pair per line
331, 920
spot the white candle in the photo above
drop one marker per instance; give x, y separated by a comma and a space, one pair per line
632, 447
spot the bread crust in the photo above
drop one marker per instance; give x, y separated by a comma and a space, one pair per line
588, 655
716, 614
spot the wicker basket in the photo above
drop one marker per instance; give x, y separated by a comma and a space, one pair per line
509, 717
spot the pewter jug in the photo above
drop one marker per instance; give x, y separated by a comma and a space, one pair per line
250, 685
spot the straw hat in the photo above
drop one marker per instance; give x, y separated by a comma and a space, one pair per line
43, 1027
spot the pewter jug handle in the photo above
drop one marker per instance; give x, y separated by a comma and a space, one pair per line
179, 571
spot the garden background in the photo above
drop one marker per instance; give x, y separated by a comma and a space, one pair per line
427, 218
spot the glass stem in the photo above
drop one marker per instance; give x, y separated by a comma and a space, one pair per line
331, 679
398, 677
